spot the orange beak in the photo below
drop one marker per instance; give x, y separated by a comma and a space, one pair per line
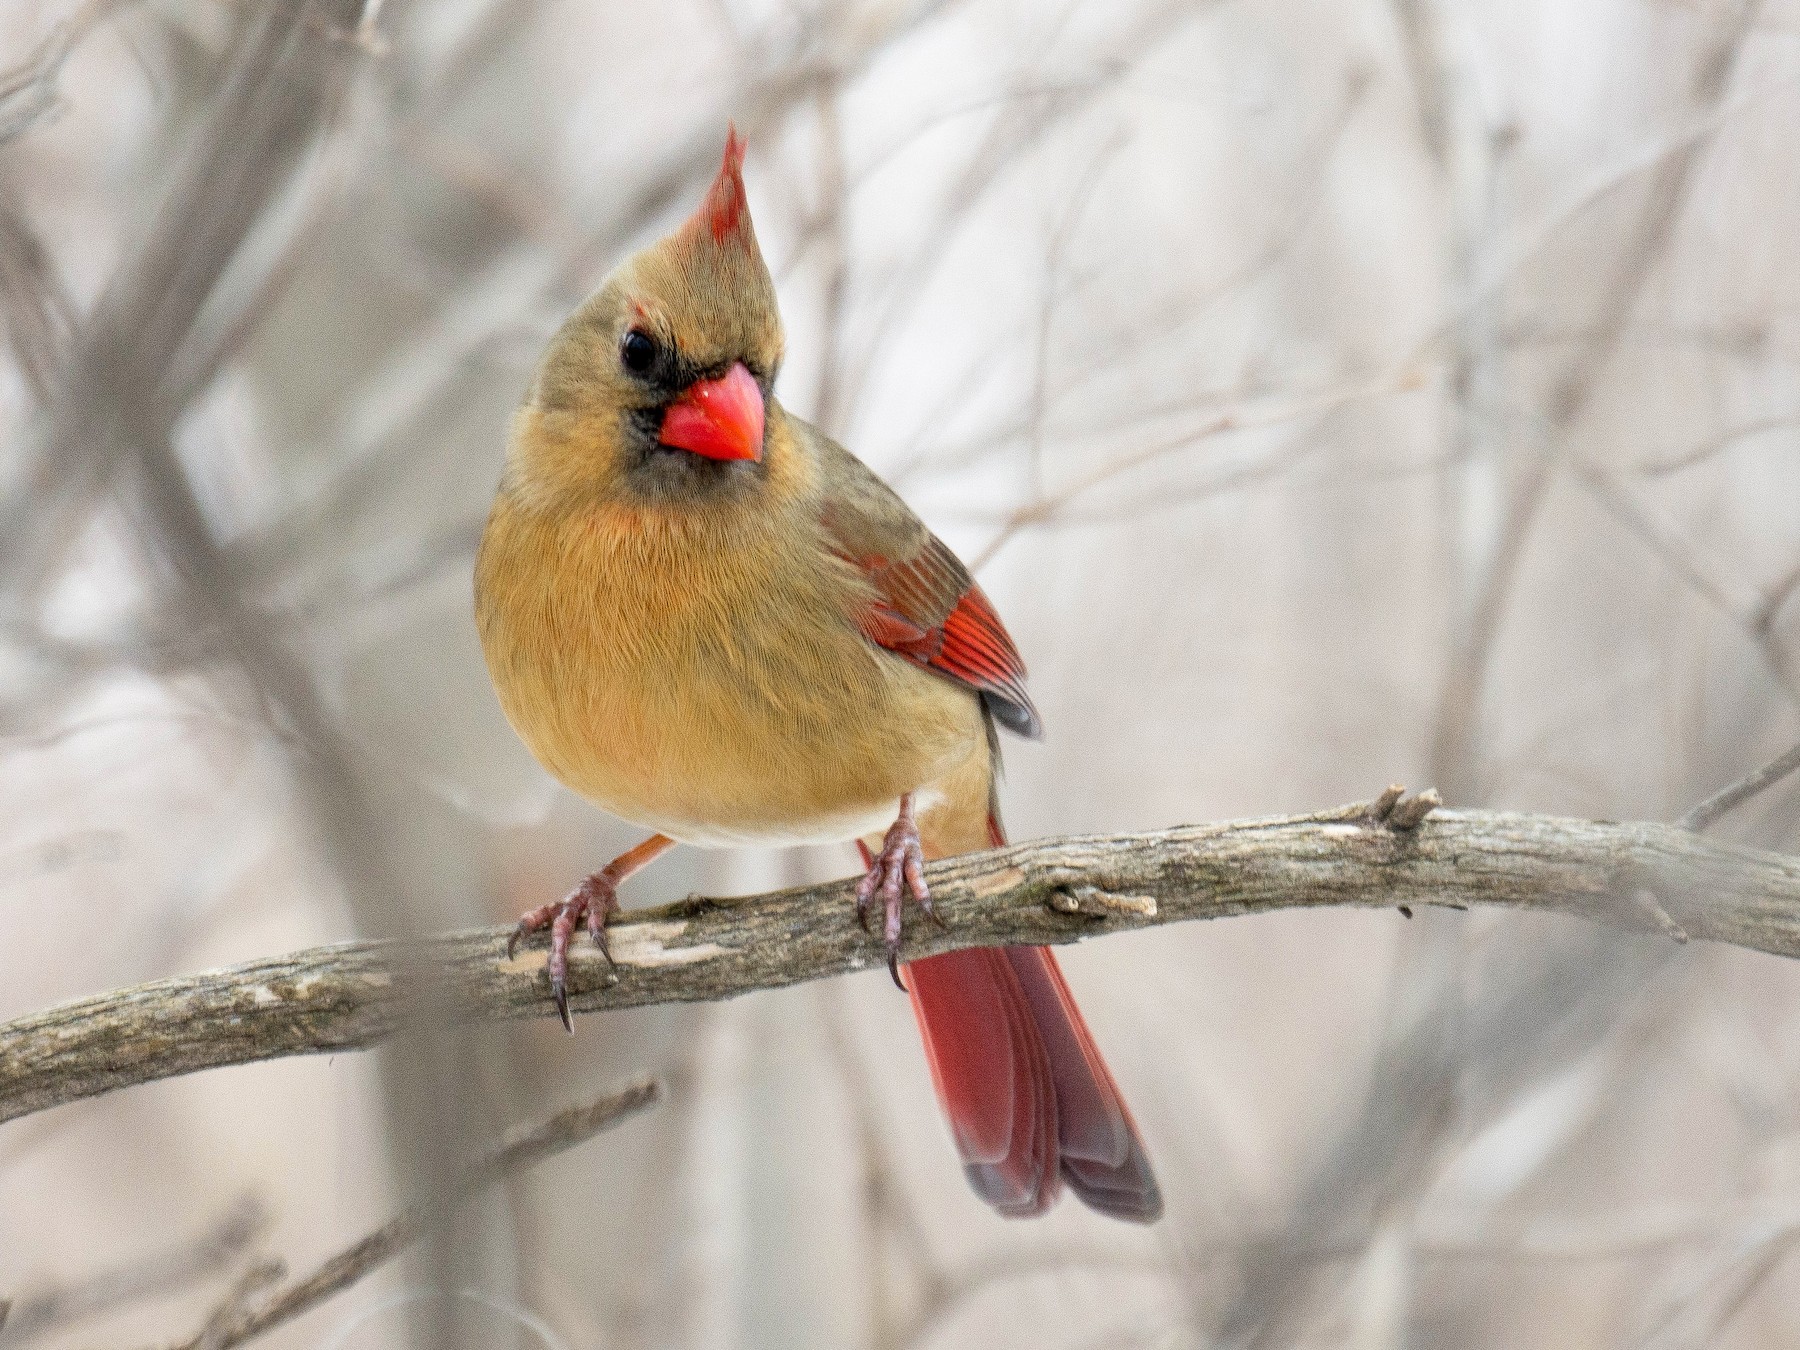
721, 419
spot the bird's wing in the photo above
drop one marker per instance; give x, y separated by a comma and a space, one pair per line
924, 604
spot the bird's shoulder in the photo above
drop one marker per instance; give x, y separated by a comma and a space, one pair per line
922, 602
863, 517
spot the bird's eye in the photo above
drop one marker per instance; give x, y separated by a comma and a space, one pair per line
638, 351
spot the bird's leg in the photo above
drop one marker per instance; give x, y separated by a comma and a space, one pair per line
596, 899
900, 862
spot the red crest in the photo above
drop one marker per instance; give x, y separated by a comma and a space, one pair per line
725, 213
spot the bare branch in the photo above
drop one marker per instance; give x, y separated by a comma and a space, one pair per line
1464, 680
1682, 561
1021, 124
353, 995
1762, 618
1051, 505
281, 80
833, 223
34, 304
1717, 442
159, 1274
28, 93
1698, 1311
234, 1324
1734, 795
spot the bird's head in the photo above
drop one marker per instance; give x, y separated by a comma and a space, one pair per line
658, 386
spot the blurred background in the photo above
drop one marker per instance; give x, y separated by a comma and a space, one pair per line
1329, 394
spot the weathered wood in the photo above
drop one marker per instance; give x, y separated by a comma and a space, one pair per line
350, 996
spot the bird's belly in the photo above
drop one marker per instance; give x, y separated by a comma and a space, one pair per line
714, 764
777, 732
762, 833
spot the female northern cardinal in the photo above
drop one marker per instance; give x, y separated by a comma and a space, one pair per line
706, 617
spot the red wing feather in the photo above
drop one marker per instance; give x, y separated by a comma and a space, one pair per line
929, 610
978, 651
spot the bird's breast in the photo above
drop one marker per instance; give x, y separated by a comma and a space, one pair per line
707, 682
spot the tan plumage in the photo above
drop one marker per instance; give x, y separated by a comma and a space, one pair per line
706, 617
699, 670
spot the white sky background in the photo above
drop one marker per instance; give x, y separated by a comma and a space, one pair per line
1242, 330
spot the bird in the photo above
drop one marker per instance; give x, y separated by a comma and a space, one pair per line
709, 619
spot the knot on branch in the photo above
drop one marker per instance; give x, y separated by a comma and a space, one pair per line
1394, 810
1645, 899
1634, 895
1101, 904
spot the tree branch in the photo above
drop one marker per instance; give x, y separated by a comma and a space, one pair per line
157, 1275
234, 1321
1734, 795
352, 996
28, 93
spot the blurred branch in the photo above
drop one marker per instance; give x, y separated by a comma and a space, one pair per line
1454, 746
1087, 357
234, 1323
1024, 119
785, 74
898, 1244
1736, 603
28, 92
280, 81
156, 1276
1642, 876
834, 223
490, 180
1049, 506
34, 304
1762, 620
416, 373
1716, 443
1698, 1311
1734, 795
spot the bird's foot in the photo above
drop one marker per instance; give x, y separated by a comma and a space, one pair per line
596, 899
901, 863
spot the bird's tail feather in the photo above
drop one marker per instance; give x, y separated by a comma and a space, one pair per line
1030, 1101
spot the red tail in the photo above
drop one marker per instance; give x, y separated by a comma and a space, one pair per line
1030, 1101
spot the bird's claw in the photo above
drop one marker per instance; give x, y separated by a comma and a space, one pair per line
596, 900
901, 863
